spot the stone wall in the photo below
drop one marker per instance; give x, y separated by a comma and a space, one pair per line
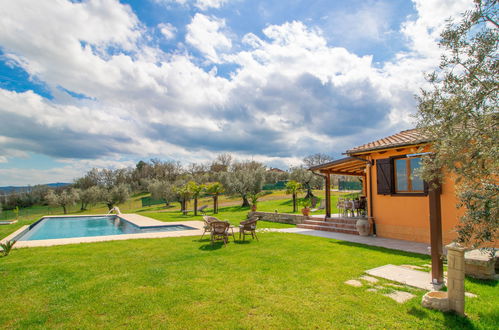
279, 217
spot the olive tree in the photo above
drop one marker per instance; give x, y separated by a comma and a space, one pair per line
307, 178
114, 195
459, 113
88, 196
244, 181
162, 190
64, 199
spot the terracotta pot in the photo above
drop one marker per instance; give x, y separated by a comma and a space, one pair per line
253, 208
363, 227
305, 211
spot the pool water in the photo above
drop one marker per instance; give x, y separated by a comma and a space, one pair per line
70, 227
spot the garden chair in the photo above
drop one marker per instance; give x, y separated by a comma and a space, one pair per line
248, 227
220, 231
202, 208
207, 224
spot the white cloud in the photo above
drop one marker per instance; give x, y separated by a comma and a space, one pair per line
200, 4
292, 93
167, 30
206, 34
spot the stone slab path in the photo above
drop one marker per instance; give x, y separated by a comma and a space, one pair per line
388, 243
415, 278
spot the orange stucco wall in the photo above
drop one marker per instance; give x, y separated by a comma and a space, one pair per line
407, 217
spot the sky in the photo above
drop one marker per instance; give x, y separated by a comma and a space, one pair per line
106, 83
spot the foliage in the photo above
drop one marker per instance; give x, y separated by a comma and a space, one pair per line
215, 189
316, 159
162, 190
195, 190
294, 188
307, 178
113, 195
254, 197
459, 114
64, 199
88, 196
306, 202
245, 179
184, 195
6, 247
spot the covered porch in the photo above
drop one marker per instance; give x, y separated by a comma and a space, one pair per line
351, 166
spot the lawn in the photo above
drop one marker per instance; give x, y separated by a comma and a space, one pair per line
281, 281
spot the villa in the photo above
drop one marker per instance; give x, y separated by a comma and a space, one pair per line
399, 204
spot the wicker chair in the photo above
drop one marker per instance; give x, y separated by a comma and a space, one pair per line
207, 224
248, 227
220, 231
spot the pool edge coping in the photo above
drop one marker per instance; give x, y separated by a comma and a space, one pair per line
196, 224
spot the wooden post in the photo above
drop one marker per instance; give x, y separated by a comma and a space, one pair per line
437, 270
328, 195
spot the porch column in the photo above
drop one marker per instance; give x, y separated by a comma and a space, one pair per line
328, 194
369, 191
437, 270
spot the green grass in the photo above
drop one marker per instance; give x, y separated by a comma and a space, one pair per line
281, 281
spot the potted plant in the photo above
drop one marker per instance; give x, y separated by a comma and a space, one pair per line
306, 206
254, 199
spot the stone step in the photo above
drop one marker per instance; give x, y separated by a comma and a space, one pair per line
328, 228
330, 224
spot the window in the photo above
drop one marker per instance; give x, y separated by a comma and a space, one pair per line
407, 178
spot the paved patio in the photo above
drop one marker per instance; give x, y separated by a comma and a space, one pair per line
388, 243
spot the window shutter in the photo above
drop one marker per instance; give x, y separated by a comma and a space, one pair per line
384, 171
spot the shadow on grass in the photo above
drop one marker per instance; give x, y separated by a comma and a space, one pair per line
212, 247
383, 249
492, 283
454, 321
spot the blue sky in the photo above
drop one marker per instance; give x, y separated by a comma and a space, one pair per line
105, 83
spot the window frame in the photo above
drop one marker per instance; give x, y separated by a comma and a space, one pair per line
409, 191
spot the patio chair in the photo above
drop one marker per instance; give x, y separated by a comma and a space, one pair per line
202, 208
220, 231
248, 227
207, 224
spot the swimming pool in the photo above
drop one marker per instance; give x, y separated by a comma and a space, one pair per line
88, 226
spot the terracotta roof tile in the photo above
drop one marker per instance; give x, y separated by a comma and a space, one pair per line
404, 138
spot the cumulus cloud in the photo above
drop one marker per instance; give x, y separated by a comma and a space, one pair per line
167, 30
291, 92
206, 34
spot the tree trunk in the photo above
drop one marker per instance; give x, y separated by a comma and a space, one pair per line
245, 201
64, 208
294, 202
184, 206
216, 204
83, 206
110, 206
195, 206
309, 192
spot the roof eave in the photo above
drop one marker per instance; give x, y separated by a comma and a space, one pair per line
383, 148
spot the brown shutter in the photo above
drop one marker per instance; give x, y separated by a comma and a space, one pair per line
384, 171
